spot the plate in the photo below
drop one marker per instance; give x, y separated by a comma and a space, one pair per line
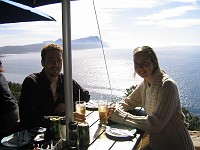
12, 140
38, 130
120, 131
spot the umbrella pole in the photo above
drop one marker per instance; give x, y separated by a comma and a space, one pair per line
67, 64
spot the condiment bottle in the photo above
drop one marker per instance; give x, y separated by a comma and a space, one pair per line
55, 127
73, 135
84, 135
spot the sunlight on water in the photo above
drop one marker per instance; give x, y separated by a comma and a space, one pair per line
95, 74
88, 69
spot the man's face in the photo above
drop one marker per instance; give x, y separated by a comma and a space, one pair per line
52, 63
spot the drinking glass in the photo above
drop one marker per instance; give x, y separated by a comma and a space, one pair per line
81, 107
103, 111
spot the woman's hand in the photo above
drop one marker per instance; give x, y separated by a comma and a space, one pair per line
110, 112
79, 117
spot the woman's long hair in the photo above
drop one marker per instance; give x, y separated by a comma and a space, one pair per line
150, 52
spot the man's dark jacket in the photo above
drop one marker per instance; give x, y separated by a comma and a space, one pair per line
37, 101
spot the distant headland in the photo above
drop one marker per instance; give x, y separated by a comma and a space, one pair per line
90, 42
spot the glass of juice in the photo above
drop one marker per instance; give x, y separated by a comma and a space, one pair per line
103, 111
81, 107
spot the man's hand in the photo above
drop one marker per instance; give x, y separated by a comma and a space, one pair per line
60, 108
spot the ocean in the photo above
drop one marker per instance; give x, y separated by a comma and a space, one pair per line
89, 69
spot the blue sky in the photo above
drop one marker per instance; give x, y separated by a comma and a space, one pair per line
123, 23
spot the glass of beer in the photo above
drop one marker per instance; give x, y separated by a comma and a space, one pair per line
103, 111
81, 107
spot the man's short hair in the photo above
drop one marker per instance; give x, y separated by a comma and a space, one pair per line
50, 47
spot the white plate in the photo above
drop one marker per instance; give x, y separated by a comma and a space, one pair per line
120, 131
11, 140
38, 130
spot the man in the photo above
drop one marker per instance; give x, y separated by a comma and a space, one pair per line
43, 93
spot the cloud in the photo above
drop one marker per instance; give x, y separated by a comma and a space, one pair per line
177, 23
121, 4
173, 17
117, 4
183, 1
169, 13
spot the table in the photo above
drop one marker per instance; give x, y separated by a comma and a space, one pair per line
98, 137
99, 140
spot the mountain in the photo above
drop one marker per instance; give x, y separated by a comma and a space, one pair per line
91, 42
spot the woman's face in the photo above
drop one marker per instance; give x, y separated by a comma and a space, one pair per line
143, 66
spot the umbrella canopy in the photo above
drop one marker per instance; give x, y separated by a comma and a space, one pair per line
12, 12
36, 3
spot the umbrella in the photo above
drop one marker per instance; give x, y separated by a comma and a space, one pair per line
36, 3
67, 56
12, 12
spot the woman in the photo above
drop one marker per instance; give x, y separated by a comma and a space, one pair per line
9, 115
158, 95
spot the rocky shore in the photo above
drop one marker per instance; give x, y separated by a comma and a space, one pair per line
195, 135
